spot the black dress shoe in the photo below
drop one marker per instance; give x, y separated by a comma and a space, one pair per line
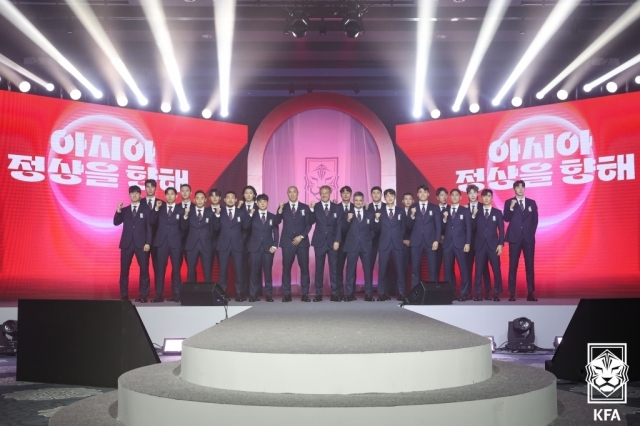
254, 299
381, 298
487, 296
369, 299
512, 297
318, 298
531, 298
350, 298
305, 298
157, 299
174, 298
496, 298
341, 297
269, 298
238, 298
142, 299
478, 298
287, 298
401, 297
463, 297
336, 298
124, 298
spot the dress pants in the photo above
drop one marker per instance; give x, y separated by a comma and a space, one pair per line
484, 257
514, 258
472, 258
223, 258
451, 253
261, 261
352, 262
383, 282
198, 252
289, 254
165, 253
416, 262
321, 254
126, 257
342, 258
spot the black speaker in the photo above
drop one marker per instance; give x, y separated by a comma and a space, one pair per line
202, 294
81, 342
598, 321
431, 293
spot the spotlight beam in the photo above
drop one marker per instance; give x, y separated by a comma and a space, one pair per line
492, 20
556, 18
626, 19
9, 63
158, 23
225, 12
426, 11
13, 15
631, 62
90, 21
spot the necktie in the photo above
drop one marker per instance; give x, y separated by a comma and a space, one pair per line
326, 210
184, 206
521, 205
230, 215
359, 217
453, 213
263, 218
135, 210
441, 209
199, 215
486, 213
293, 209
170, 211
377, 208
149, 203
390, 214
423, 209
346, 209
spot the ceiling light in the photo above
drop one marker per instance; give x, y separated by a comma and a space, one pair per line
516, 102
298, 23
435, 114
611, 87
474, 108
454, 19
75, 94
562, 94
25, 86
637, 80
352, 23
122, 101
206, 113
165, 107
50, 87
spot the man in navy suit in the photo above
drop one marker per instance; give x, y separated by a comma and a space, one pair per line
360, 227
392, 229
197, 221
407, 202
185, 202
294, 241
214, 198
149, 203
327, 236
457, 242
248, 204
168, 243
135, 240
442, 195
230, 223
425, 224
346, 206
475, 206
262, 246
376, 206
522, 215
488, 225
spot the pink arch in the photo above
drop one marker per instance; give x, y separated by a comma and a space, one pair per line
321, 101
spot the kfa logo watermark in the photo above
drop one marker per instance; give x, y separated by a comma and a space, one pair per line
607, 377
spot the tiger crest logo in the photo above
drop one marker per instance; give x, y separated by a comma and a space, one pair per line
607, 373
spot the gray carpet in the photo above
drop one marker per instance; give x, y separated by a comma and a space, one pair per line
332, 328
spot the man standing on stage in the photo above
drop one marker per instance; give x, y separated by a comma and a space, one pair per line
214, 199
248, 204
457, 242
185, 195
442, 194
360, 226
262, 246
294, 242
197, 221
425, 225
326, 240
135, 240
231, 223
346, 206
376, 206
149, 204
522, 215
392, 229
489, 235
474, 206
168, 243
407, 202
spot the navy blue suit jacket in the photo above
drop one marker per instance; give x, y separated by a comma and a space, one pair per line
328, 227
168, 226
359, 234
458, 228
135, 230
294, 226
425, 228
198, 230
521, 224
263, 235
392, 230
489, 231
232, 233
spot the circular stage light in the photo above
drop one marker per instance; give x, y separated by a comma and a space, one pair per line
165, 107
122, 101
516, 102
611, 87
97, 94
637, 80
184, 107
143, 101
206, 113
25, 86
435, 114
562, 94
539, 95
75, 94
50, 87
417, 113
474, 108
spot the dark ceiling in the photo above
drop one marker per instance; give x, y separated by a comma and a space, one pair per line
377, 68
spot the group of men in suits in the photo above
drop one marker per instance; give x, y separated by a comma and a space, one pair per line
345, 232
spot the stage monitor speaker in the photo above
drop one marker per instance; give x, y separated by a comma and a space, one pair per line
431, 293
597, 321
202, 294
81, 342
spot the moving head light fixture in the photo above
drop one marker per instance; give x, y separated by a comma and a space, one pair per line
299, 18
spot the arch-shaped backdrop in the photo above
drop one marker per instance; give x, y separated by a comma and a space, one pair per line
312, 101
